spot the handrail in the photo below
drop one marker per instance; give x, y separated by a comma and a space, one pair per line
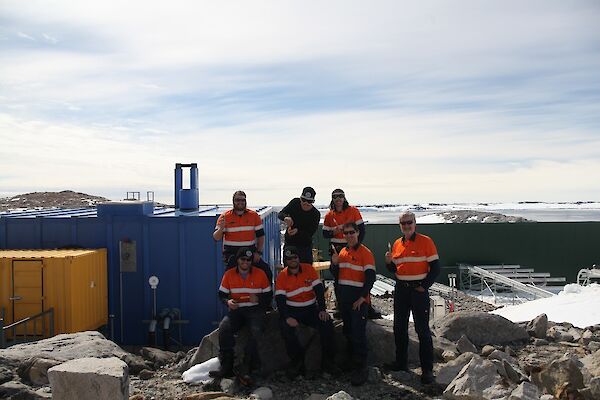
24, 322
514, 284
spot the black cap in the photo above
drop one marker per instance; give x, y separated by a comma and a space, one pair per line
337, 191
308, 194
243, 252
290, 252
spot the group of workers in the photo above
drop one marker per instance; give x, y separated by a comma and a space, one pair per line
299, 292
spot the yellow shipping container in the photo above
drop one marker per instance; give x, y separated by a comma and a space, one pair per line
73, 282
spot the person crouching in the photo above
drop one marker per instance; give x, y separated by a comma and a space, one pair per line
299, 294
247, 292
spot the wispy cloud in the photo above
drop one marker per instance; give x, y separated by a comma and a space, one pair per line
393, 101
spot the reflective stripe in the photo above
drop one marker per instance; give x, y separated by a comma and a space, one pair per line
353, 267
432, 258
239, 229
267, 289
299, 290
336, 240
300, 303
411, 277
328, 228
350, 283
247, 290
280, 292
316, 282
239, 244
223, 289
358, 222
369, 266
247, 304
258, 227
409, 259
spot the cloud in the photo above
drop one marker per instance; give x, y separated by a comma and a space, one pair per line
391, 100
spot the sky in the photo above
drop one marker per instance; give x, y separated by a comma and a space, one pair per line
393, 101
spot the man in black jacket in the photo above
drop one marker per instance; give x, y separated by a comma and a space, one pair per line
302, 220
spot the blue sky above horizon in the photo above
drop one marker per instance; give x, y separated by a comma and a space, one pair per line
393, 101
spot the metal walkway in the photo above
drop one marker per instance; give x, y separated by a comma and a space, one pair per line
474, 276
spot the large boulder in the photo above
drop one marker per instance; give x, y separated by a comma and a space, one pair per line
566, 369
91, 379
592, 363
70, 346
64, 347
35, 370
538, 326
450, 370
380, 337
525, 391
480, 328
479, 379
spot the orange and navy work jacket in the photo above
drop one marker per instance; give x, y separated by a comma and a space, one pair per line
334, 218
353, 264
412, 257
298, 289
235, 286
241, 230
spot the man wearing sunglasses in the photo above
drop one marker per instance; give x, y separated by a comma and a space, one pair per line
247, 293
415, 263
302, 221
300, 300
354, 269
241, 227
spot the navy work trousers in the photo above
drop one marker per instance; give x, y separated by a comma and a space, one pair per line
308, 316
234, 321
407, 299
355, 331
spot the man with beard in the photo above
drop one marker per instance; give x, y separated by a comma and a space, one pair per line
247, 292
300, 300
241, 227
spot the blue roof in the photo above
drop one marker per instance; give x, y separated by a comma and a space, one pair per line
91, 212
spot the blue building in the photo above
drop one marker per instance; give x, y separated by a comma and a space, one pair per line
173, 244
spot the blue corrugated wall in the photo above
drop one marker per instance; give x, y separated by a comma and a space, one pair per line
179, 250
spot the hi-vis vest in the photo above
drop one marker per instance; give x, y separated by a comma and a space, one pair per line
353, 264
240, 230
333, 219
412, 258
298, 289
240, 289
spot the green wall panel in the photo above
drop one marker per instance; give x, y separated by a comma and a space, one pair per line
560, 248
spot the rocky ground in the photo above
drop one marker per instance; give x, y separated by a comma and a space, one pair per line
478, 356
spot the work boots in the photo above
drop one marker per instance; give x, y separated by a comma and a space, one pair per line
294, 368
225, 369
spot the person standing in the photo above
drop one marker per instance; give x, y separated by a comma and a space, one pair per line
302, 221
341, 212
354, 269
241, 227
299, 294
415, 263
247, 293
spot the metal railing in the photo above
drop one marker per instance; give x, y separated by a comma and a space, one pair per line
473, 275
23, 336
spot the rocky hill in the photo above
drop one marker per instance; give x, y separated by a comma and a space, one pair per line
63, 199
